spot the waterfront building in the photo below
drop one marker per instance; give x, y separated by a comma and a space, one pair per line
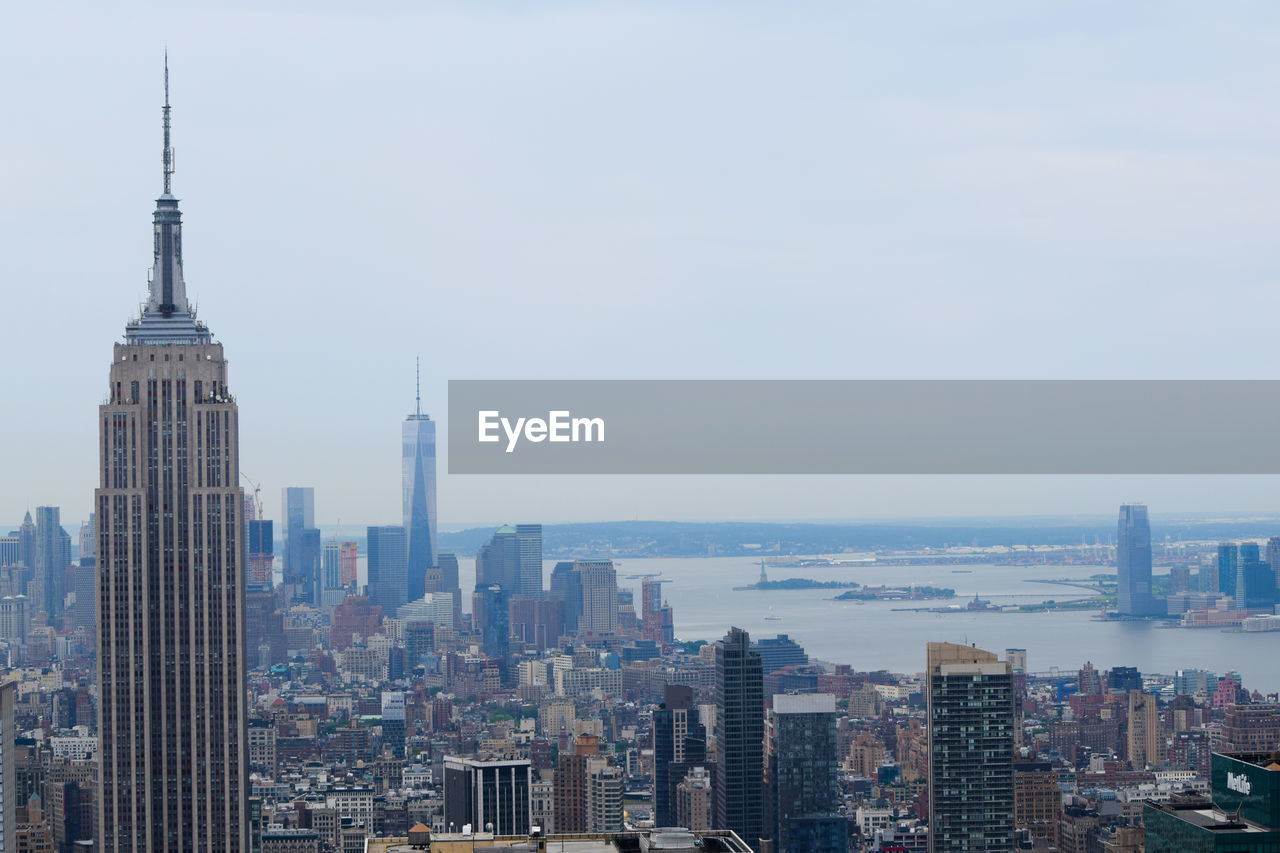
1228, 560
778, 652
970, 709
1133, 563
171, 666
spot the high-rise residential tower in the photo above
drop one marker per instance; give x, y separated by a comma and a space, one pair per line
419, 493
171, 666
971, 739
1133, 563
599, 583
739, 770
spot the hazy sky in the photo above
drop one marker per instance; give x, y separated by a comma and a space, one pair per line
637, 190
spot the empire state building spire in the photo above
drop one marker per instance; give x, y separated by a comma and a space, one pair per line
166, 317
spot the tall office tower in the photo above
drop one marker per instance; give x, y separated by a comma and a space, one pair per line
679, 743
802, 763
88, 538
301, 545
491, 609
657, 620
331, 566
739, 769
1273, 560
350, 564
1228, 559
1255, 583
529, 537
478, 792
171, 665
10, 550
1133, 563
86, 577
53, 555
566, 585
970, 713
448, 567
1145, 741
261, 535
512, 558
27, 544
393, 724
418, 482
388, 551
599, 583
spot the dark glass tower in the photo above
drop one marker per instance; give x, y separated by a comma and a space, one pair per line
739, 782
1133, 563
802, 765
971, 719
1228, 561
171, 666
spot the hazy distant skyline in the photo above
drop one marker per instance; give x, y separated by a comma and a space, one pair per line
642, 190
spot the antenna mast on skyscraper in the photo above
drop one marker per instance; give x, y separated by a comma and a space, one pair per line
417, 380
168, 152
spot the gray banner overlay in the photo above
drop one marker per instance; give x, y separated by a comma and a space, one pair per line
864, 427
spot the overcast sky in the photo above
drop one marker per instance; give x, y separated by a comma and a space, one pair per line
637, 190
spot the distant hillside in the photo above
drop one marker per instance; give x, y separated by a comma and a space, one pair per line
690, 539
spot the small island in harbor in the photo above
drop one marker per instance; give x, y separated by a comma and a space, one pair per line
896, 593
798, 583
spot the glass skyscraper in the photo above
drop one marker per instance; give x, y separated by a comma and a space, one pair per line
419, 497
1133, 563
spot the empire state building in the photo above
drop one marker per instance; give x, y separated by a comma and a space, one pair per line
171, 667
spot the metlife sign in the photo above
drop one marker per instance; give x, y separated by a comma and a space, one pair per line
1239, 783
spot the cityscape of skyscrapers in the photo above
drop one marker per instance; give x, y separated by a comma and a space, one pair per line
185, 672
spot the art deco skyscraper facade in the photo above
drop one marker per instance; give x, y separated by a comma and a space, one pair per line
171, 667
419, 488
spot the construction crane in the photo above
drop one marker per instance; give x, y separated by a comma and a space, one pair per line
257, 495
